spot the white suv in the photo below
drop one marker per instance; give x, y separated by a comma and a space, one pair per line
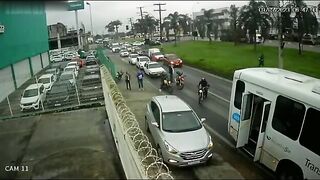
32, 97
178, 133
141, 60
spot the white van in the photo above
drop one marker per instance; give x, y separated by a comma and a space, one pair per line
152, 50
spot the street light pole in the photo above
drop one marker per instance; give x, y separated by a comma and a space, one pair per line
280, 60
77, 26
90, 18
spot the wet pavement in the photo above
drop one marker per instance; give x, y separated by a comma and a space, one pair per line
74, 144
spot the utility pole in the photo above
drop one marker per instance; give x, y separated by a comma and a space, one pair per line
130, 20
160, 10
141, 11
280, 60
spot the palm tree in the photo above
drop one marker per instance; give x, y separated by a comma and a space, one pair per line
251, 19
233, 12
173, 19
200, 25
208, 20
166, 25
113, 25
185, 22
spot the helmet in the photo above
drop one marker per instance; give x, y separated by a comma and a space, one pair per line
203, 79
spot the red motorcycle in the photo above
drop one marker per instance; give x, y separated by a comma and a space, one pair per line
180, 80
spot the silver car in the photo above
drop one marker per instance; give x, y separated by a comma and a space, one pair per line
178, 133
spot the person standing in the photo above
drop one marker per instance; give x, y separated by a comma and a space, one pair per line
128, 78
171, 71
140, 79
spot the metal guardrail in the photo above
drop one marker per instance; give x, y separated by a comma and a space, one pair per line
139, 159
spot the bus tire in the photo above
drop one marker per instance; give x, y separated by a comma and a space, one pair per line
288, 170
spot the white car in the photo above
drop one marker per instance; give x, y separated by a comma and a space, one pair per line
68, 76
141, 60
133, 58
69, 56
54, 71
73, 63
57, 58
124, 53
153, 69
47, 80
71, 69
32, 97
137, 43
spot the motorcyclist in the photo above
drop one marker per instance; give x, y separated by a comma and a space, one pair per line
203, 84
164, 79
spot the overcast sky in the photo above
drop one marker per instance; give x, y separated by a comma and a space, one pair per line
105, 11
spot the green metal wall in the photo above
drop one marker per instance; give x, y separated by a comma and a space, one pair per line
26, 33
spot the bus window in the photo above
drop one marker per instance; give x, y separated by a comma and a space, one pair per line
240, 86
288, 117
310, 131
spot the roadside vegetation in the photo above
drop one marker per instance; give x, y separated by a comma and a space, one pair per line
223, 58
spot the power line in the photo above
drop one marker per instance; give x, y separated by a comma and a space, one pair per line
160, 10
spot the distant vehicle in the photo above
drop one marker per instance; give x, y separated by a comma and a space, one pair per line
179, 135
152, 50
274, 116
47, 80
60, 94
153, 69
137, 43
71, 69
68, 76
259, 38
57, 58
308, 39
115, 49
141, 60
124, 53
156, 56
54, 71
32, 97
172, 59
133, 58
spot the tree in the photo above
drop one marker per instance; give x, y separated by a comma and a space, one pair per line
251, 19
200, 25
208, 20
233, 12
185, 21
166, 26
173, 19
113, 25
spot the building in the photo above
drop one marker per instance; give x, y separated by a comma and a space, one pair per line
23, 43
54, 29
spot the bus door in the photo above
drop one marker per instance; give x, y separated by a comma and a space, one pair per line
245, 119
262, 129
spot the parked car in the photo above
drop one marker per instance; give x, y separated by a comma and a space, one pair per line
68, 76
32, 97
91, 57
92, 64
57, 58
172, 59
69, 56
141, 60
124, 53
54, 71
115, 49
91, 88
94, 70
133, 58
153, 69
71, 69
156, 56
74, 63
47, 80
62, 93
179, 135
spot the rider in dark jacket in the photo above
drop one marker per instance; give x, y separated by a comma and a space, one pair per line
203, 84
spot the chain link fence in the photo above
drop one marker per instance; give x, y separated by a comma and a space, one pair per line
139, 159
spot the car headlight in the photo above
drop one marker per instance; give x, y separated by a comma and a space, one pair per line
210, 145
169, 148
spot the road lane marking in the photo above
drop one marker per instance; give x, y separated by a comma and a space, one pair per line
218, 135
219, 97
209, 74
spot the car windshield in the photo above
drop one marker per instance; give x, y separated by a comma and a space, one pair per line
180, 121
156, 65
172, 57
30, 93
91, 63
69, 69
44, 80
66, 77
143, 59
58, 89
156, 53
134, 55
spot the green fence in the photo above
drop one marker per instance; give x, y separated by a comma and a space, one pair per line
106, 62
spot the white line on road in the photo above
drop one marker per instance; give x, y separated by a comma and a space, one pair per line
219, 97
218, 135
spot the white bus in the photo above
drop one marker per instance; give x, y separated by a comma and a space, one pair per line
275, 117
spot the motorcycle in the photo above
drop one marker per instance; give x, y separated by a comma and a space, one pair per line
180, 81
202, 93
119, 75
167, 85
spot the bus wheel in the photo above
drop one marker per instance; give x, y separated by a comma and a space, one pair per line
289, 172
